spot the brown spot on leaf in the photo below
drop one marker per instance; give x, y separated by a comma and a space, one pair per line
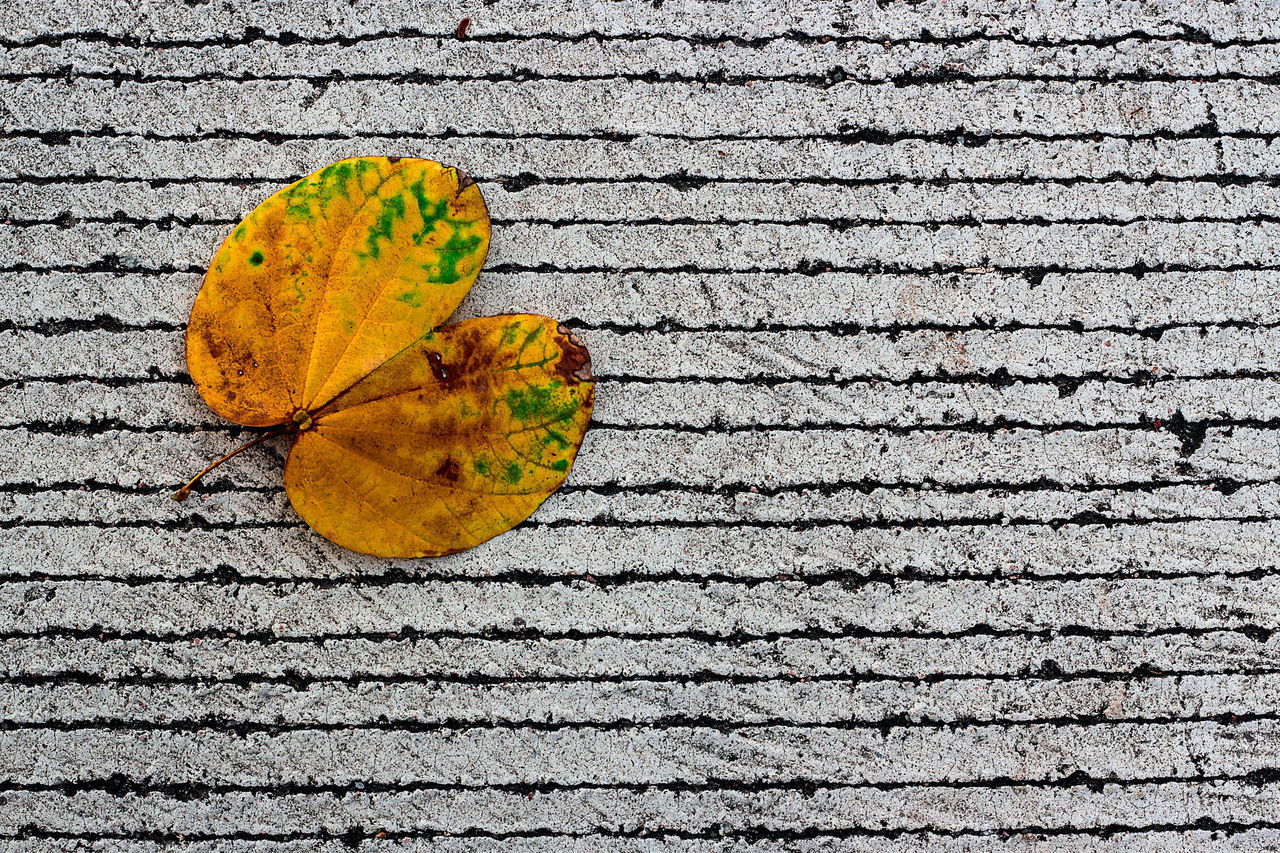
448, 470
574, 365
464, 180
467, 347
394, 160
467, 362
211, 343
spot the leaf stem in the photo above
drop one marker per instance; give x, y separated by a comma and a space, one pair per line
181, 494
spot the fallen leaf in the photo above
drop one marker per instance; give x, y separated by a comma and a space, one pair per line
320, 317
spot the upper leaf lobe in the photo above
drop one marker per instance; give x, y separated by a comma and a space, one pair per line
328, 278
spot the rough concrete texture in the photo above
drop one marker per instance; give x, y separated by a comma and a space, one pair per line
931, 499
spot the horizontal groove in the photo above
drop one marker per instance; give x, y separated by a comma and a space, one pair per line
153, 377
838, 224
99, 323
265, 638
1033, 275
254, 34
672, 723
224, 575
837, 75
868, 486
720, 833
120, 784
828, 488
998, 378
1153, 331
851, 134
1191, 433
683, 181
1088, 518
1046, 676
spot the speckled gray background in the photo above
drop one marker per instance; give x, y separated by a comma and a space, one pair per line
932, 498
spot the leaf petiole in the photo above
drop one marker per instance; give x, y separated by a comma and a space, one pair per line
181, 494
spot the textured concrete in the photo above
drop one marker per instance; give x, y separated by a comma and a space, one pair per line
931, 499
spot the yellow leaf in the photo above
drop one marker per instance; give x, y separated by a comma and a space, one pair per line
319, 316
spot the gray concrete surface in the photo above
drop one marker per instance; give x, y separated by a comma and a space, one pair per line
931, 499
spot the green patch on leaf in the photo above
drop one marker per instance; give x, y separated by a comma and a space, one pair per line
538, 405
432, 212
392, 209
413, 298
455, 249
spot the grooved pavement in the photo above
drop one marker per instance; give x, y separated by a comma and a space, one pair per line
931, 499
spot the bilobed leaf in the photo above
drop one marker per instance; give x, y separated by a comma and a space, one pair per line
320, 315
